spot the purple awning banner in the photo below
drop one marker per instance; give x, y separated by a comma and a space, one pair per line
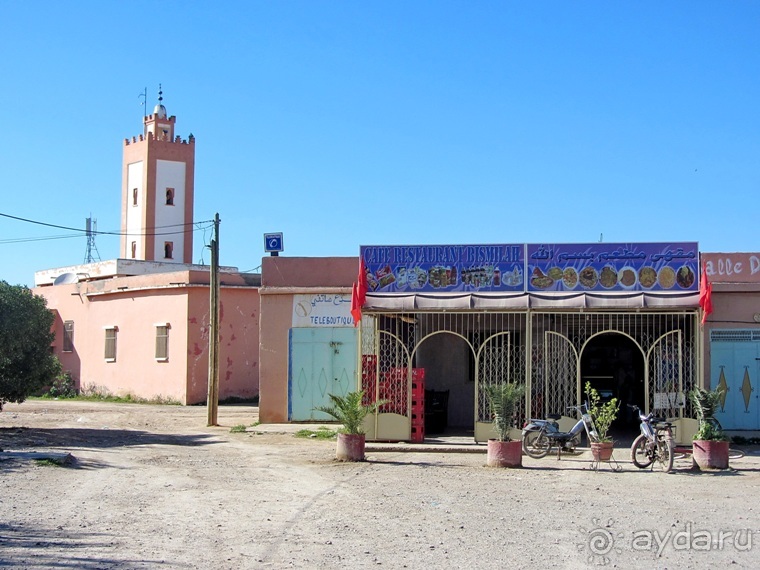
599, 267
444, 268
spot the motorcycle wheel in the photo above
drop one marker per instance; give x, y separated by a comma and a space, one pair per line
535, 444
665, 454
639, 454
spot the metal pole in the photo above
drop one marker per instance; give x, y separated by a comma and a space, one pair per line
212, 400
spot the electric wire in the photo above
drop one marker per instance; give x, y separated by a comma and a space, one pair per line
197, 225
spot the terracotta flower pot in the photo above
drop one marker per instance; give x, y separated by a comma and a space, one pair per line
602, 451
504, 453
350, 447
710, 454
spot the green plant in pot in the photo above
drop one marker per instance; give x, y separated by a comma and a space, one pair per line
351, 413
502, 400
603, 414
710, 446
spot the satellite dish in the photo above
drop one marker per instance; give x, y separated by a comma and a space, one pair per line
66, 278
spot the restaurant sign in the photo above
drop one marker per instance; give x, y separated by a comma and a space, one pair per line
444, 268
671, 267
663, 267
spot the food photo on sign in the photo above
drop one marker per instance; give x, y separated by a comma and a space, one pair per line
612, 267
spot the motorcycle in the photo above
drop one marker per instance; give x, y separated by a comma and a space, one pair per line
654, 444
539, 436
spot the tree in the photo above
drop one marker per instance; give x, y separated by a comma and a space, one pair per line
26, 361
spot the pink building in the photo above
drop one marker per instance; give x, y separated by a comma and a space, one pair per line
147, 335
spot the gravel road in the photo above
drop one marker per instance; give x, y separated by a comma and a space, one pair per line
151, 486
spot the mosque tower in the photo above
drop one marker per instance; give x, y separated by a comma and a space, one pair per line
158, 173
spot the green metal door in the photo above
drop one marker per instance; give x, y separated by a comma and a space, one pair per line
735, 368
322, 362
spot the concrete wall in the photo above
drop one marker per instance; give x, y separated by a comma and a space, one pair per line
281, 279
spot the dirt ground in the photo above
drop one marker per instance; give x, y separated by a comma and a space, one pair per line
151, 486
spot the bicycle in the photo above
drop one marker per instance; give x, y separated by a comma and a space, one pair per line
654, 444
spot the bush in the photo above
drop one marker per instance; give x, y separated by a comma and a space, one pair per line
63, 387
26, 362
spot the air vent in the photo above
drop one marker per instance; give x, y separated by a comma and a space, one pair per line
735, 336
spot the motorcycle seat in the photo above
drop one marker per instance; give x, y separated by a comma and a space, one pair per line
553, 416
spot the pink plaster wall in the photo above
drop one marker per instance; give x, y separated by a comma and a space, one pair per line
278, 271
238, 344
136, 305
281, 278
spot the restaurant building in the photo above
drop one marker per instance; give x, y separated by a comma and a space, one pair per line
441, 322
623, 317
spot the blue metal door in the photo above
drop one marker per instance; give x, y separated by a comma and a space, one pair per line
735, 367
322, 362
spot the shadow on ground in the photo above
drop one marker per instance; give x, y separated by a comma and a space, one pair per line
25, 547
16, 438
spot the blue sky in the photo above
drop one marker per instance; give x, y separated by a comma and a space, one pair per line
343, 124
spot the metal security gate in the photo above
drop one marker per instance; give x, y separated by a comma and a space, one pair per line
544, 350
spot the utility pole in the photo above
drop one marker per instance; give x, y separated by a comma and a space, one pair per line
212, 400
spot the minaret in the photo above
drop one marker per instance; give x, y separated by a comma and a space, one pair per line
158, 173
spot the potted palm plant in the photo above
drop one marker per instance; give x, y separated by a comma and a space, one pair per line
349, 411
710, 446
603, 414
502, 399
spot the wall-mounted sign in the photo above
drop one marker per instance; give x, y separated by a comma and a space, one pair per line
444, 268
732, 267
671, 267
323, 310
273, 242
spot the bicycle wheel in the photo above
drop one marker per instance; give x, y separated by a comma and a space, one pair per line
665, 454
640, 455
734, 453
535, 444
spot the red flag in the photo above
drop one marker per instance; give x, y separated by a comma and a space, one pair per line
705, 294
363, 286
359, 293
356, 308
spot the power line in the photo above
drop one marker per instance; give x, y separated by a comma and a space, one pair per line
84, 231
28, 239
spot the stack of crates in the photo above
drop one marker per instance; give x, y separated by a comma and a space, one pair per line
418, 405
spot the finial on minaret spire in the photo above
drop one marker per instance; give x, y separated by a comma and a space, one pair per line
160, 110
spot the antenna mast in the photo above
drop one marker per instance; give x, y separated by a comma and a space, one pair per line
92, 253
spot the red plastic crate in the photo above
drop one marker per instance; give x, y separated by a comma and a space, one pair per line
418, 433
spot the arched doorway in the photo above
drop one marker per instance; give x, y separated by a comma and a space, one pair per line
448, 360
613, 363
